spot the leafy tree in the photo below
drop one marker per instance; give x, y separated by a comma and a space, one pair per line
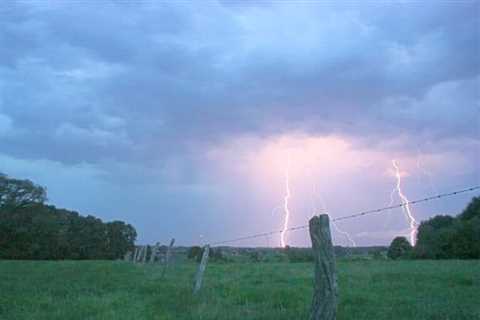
472, 210
465, 243
120, 238
30, 229
16, 193
446, 237
434, 237
399, 248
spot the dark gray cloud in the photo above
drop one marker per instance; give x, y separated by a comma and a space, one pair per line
140, 90
173, 74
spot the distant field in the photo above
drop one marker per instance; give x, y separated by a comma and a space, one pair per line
369, 290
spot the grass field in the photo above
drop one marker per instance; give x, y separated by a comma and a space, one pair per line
116, 290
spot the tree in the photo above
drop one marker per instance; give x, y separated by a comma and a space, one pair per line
434, 237
120, 239
472, 210
399, 248
29, 229
465, 242
446, 237
15, 193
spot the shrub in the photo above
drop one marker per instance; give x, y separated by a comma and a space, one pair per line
399, 248
194, 252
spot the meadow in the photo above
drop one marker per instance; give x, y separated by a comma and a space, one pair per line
371, 289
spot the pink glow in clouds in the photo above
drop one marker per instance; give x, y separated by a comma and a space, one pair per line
351, 176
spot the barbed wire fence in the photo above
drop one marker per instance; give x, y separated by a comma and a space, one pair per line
155, 252
355, 215
322, 232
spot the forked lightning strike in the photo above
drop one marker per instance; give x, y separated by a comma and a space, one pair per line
345, 233
406, 208
335, 226
285, 204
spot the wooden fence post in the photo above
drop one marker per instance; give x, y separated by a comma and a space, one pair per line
140, 254
324, 303
128, 256
201, 269
167, 256
154, 253
145, 252
135, 255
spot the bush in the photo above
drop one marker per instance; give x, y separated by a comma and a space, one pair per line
399, 248
194, 252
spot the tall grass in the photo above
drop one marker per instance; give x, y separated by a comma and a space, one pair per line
117, 290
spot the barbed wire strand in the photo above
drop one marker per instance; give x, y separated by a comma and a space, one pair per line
355, 215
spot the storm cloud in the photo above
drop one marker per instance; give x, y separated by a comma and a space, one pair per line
125, 102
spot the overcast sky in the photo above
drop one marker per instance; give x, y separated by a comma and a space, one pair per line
182, 118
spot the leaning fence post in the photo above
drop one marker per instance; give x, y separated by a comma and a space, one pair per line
324, 303
167, 256
201, 270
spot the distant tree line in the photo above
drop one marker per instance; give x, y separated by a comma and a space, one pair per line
30, 229
444, 237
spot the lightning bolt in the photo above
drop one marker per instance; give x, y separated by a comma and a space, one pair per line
285, 204
392, 200
274, 212
406, 208
391, 197
347, 236
343, 232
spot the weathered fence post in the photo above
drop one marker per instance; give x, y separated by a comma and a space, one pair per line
154, 253
169, 252
128, 256
135, 254
145, 252
201, 269
141, 254
324, 304
167, 256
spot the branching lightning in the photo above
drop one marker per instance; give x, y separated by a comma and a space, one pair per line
392, 193
344, 233
347, 235
285, 204
406, 208
391, 197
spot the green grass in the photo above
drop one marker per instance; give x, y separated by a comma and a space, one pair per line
116, 290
